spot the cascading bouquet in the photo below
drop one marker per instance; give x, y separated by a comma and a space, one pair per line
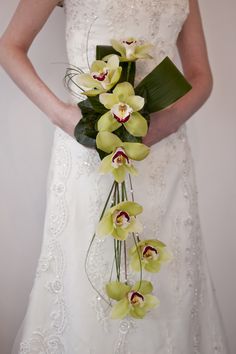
115, 117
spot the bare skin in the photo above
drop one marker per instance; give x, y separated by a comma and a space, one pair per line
30, 17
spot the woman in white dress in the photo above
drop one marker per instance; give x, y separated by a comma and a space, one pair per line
65, 315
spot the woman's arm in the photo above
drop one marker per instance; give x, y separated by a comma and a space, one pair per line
29, 18
193, 53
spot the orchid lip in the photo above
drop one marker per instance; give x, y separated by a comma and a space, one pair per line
121, 120
100, 76
135, 297
119, 157
148, 252
122, 218
121, 112
129, 42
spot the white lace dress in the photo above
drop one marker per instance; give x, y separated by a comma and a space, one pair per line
65, 315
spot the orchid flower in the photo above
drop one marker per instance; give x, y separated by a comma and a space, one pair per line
135, 300
119, 220
103, 76
131, 49
151, 253
121, 154
123, 107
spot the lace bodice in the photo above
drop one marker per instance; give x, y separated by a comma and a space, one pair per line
92, 22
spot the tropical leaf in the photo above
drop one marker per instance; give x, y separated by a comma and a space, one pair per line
96, 104
163, 86
124, 135
85, 131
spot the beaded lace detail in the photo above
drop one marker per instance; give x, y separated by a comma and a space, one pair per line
52, 264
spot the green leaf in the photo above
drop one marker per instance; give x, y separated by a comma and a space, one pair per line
101, 153
103, 50
84, 134
124, 135
163, 86
96, 104
85, 130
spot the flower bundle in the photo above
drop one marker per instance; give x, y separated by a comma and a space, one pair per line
115, 117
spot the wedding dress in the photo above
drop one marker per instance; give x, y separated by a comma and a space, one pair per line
65, 315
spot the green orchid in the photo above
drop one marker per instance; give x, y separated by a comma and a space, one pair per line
103, 76
131, 49
152, 254
119, 220
134, 301
123, 107
121, 154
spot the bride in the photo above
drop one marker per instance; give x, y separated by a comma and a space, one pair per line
65, 315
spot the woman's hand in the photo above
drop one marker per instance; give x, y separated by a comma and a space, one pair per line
68, 118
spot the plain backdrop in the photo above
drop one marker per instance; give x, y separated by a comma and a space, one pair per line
26, 138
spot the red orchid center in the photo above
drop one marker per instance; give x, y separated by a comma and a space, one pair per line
121, 112
121, 218
100, 76
136, 298
120, 158
150, 252
129, 42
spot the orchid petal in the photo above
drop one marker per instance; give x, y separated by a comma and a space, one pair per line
91, 93
132, 170
108, 100
118, 47
135, 226
107, 122
86, 80
120, 309
132, 208
138, 312
144, 287
153, 266
120, 234
115, 76
107, 141
135, 102
136, 151
136, 125
105, 225
98, 66
143, 49
151, 301
123, 90
165, 256
113, 62
117, 290
106, 165
119, 173
135, 263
